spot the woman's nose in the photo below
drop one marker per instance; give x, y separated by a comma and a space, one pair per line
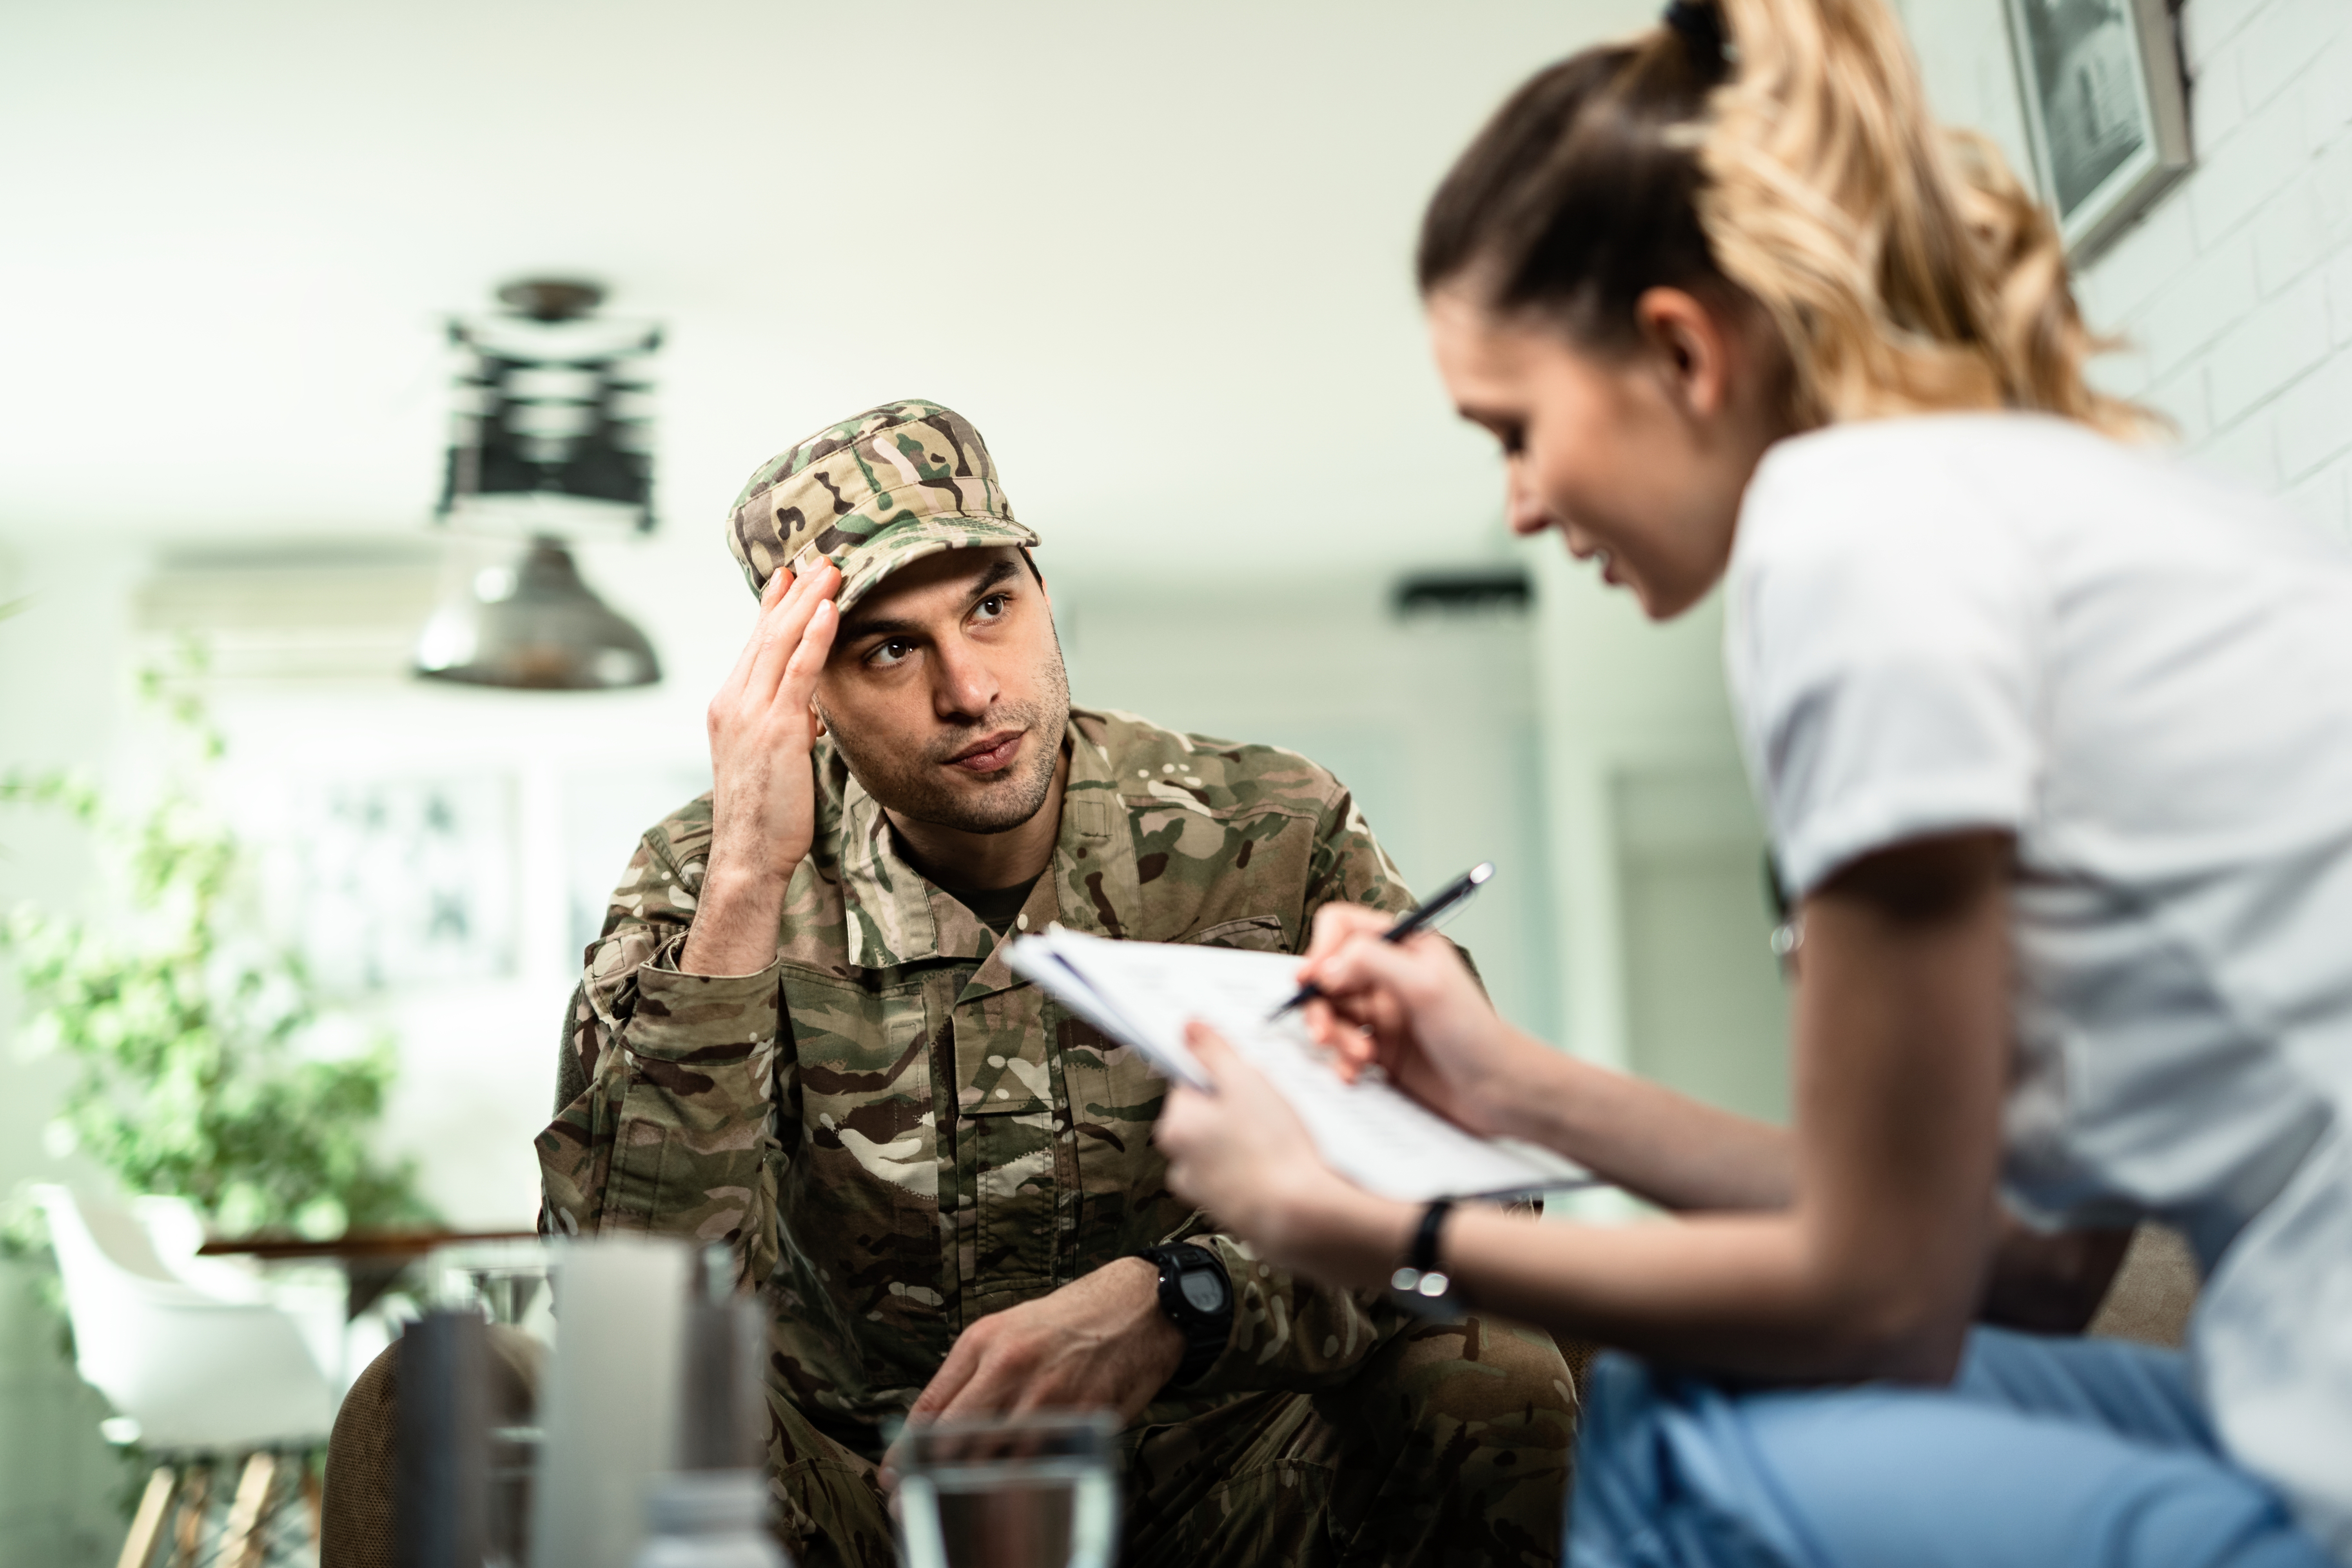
1523, 509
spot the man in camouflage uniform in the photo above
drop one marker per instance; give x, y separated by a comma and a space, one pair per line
798, 1034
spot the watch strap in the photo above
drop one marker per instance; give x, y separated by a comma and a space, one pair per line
1420, 1285
1422, 1258
1205, 1334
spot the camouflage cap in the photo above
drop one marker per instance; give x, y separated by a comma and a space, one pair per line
876, 491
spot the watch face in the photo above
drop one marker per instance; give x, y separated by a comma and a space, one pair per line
1204, 1287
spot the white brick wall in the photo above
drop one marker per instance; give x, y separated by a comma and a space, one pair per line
2235, 291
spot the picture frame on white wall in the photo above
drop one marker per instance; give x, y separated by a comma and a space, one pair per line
396, 882
2103, 101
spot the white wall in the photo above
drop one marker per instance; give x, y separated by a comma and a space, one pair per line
1432, 722
1664, 965
59, 1482
1161, 256
58, 699
2235, 289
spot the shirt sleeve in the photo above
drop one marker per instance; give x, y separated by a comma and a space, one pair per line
1291, 1332
1882, 658
676, 1132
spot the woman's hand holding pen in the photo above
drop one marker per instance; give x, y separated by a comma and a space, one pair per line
1413, 1008
1242, 1153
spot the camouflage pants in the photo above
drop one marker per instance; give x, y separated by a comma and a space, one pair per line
1451, 1445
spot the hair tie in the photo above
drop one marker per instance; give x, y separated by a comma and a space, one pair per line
1700, 28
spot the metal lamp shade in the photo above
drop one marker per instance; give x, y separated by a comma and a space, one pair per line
537, 627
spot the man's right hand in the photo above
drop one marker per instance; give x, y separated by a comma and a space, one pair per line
763, 797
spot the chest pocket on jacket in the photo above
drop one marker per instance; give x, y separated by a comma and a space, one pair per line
1115, 1097
859, 1203
1256, 933
1011, 1158
865, 1086
1003, 1063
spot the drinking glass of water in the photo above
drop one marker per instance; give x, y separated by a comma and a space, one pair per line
1010, 1491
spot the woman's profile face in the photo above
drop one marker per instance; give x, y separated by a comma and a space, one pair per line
1636, 457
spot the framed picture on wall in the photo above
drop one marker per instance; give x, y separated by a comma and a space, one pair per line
2101, 81
396, 882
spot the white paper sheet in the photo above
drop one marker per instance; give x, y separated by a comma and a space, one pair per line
1143, 994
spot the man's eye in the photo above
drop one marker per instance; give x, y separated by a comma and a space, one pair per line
990, 609
1514, 438
889, 652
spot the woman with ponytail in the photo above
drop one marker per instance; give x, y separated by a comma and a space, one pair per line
2054, 743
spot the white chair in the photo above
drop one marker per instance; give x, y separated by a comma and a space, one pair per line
315, 1305
176, 1231
196, 1377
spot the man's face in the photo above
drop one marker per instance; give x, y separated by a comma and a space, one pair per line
946, 694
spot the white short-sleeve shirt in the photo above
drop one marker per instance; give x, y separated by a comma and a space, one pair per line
2007, 621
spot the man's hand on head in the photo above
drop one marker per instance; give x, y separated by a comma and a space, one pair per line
1100, 1342
764, 798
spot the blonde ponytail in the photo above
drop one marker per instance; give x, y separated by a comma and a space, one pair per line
1905, 269
2034, 325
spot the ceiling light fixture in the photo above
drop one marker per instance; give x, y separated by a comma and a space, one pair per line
552, 439
535, 627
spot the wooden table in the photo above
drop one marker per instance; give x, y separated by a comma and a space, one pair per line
372, 1261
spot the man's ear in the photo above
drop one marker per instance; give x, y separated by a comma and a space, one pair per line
1692, 347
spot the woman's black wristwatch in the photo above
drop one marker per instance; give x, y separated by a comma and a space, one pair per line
1196, 1297
1421, 1286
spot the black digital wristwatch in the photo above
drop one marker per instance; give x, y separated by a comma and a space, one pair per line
1195, 1296
1423, 1287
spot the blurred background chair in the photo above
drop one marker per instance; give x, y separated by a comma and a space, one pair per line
505, 1279
317, 1304
202, 1380
357, 1525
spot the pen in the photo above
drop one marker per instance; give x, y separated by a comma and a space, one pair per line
1419, 917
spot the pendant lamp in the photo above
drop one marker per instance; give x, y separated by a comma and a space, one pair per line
535, 627
551, 441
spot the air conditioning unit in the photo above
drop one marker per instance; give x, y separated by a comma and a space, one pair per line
294, 610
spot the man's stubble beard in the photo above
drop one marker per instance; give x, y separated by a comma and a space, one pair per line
912, 788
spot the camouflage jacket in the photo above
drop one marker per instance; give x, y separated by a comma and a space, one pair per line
897, 1135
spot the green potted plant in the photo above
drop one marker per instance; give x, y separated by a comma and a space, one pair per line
191, 1034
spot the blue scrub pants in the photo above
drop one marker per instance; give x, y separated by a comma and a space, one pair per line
2069, 1451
